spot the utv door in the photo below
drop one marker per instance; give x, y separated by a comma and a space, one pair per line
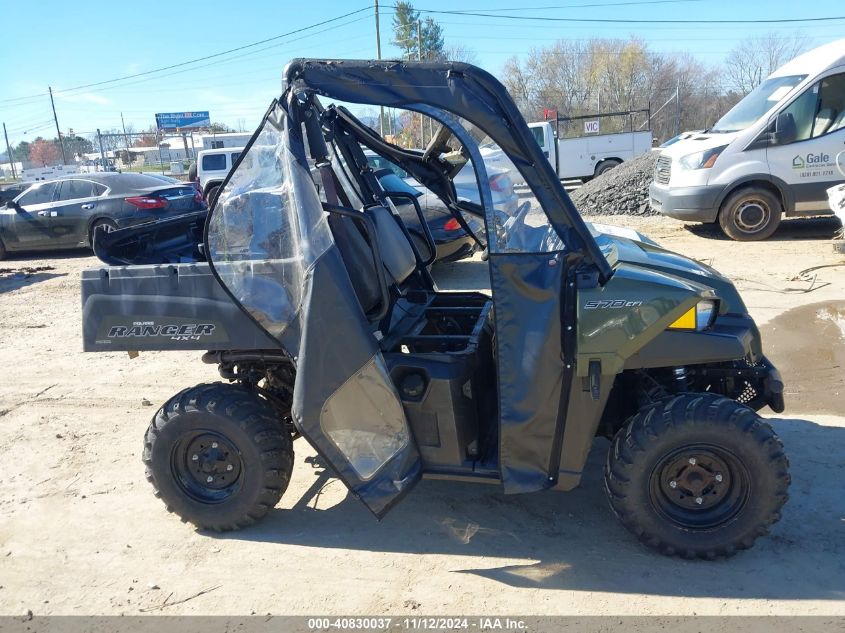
271, 247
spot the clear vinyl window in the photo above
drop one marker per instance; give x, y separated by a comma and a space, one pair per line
267, 227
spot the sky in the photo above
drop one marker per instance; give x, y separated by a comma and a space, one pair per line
71, 45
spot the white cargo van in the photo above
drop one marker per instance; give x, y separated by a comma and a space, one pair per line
774, 154
593, 151
213, 165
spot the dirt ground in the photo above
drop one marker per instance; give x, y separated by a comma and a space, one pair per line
81, 533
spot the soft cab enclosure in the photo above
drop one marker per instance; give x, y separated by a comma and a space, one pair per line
304, 262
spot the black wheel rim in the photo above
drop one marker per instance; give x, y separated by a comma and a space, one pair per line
699, 487
207, 466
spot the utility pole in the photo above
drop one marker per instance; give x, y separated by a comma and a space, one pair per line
419, 58
102, 153
125, 139
678, 108
58, 130
378, 56
9, 153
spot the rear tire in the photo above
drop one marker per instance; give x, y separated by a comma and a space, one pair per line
109, 225
697, 475
606, 166
218, 456
750, 214
211, 196
3, 251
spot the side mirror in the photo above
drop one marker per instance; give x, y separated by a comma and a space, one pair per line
785, 130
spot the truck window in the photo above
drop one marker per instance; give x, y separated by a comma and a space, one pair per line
538, 134
820, 109
214, 162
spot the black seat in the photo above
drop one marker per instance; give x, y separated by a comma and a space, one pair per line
358, 258
395, 252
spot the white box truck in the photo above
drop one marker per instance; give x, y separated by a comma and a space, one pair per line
774, 154
594, 148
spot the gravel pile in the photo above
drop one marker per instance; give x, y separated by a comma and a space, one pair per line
621, 191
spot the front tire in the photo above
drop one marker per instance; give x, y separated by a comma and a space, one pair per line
750, 214
218, 455
697, 475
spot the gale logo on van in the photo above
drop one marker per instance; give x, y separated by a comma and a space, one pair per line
811, 160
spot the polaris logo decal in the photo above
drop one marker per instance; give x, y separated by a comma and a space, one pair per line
613, 304
183, 332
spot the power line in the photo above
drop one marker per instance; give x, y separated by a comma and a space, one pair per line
215, 64
625, 20
214, 55
583, 6
188, 62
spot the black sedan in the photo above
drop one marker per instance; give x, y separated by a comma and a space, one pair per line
450, 239
66, 212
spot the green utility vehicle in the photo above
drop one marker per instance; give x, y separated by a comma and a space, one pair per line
304, 288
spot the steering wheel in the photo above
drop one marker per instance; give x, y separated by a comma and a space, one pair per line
519, 216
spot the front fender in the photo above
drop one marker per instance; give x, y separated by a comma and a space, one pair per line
637, 304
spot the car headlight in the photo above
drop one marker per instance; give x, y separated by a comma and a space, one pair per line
699, 317
701, 160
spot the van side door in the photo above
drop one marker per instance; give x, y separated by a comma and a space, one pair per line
804, 151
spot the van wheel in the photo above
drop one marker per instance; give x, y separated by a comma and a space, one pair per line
605, 166
750, 214
697, 475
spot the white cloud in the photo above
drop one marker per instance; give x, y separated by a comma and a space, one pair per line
85, 97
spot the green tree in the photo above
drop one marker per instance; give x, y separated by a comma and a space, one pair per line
21, 152
76, 146
409, 32
432, 40
405, 20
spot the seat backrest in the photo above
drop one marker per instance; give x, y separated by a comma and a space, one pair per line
838, 122
358, 258
823, 120
396, 251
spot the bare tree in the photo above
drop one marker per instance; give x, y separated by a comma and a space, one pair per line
754, 59
459, 53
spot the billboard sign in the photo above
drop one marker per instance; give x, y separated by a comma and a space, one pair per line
182, 120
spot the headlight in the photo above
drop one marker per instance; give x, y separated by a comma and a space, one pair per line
699, 317
701, 160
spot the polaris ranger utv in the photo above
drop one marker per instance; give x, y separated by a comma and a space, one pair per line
304, 288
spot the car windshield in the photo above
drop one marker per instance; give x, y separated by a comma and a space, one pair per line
756, 103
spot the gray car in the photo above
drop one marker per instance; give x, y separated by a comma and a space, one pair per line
64, 213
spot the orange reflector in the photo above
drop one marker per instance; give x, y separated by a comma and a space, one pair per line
686, 321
